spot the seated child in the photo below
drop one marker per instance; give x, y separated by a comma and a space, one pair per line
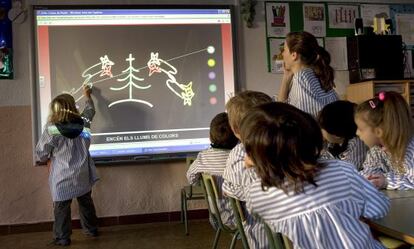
339, 132
315, 203
213, 161
385, 125
235, 173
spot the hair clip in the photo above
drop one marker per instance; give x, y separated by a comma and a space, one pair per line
372, 104
381, 96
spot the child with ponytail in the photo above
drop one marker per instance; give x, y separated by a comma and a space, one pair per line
308, 80
64, 144
385, 125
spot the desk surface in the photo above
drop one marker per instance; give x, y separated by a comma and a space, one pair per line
399, 222
395, 194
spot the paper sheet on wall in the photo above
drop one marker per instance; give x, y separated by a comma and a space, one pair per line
342, 16
275, 53
277, 19
405, 27
409, 68
369, 11
314, 19
336, 46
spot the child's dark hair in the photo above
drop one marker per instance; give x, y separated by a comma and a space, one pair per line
312, 55
390, 112
221, 135
337, 118
284, 144
63, 109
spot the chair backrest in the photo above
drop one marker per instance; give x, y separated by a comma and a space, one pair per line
239, 217
277, 240
212, 195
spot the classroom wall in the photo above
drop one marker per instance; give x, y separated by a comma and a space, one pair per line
24, 191
123, 189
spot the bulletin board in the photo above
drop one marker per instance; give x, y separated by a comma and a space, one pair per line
329, 22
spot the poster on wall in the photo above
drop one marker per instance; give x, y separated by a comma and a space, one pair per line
275, 55
342, 16
6, 59
405, 27
314, 19
369, 11
337, 48
277, 19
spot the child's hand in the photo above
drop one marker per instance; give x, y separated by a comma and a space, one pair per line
378, 181
87, 91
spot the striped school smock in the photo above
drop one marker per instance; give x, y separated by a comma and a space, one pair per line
213, 162
236, 179
326, 216
379, 162
354, 153
306, 93
73, 171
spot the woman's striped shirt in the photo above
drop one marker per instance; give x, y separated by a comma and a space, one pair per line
326, 216
379, 162
307, 94
213, 162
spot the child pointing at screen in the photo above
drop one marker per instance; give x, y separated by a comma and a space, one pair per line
65, 143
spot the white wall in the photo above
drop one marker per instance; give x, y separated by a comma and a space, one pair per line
254, 74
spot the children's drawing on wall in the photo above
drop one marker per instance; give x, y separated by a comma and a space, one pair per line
6, 59
342, 16
371, 11
314, 19
276, 55
277, 19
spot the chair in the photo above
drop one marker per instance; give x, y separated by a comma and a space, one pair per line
391, 243
277, 240
212, 195
190, 192
240, 218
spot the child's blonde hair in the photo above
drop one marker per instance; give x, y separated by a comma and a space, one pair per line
390, 112
63, 109
241, 103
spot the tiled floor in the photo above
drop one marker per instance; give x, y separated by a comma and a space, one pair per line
141, 236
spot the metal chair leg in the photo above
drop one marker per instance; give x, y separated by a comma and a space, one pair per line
216, 238
182, 207
185, 217
233, 241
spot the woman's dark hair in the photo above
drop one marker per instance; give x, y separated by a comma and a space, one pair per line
337, 118
284, 144
312, 55
221, 135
